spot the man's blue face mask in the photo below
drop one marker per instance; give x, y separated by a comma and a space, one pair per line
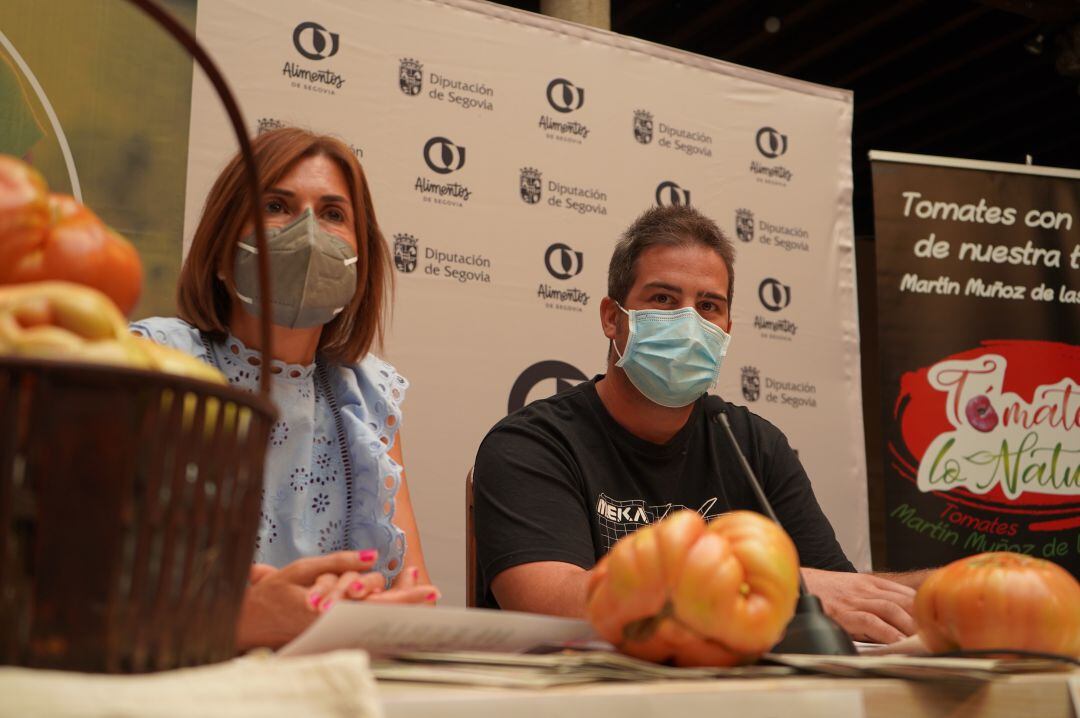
672, 356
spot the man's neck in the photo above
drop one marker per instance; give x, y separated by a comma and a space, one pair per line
632, 411
292, 346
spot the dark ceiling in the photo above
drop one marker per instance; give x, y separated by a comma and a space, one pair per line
992, 80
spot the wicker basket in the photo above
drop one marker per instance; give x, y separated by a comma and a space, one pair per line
129, 504
129, 500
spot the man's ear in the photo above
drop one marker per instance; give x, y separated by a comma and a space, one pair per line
609, 317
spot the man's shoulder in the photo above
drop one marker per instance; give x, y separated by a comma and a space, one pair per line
567, 405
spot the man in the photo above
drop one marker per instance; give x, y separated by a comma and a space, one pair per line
560, 481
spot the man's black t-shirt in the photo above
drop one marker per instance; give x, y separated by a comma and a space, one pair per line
561, 480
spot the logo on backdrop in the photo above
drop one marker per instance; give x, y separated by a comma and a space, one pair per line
562, 262
582, 199
771, 144
643, 126
789, 238
314, 41
466, 94
531, 186
669, 194
405, 253
443, 156
563, 96
462, 268
744, 225
774, 296
751, 383
689, 142
793, 394
410, 76
541, 380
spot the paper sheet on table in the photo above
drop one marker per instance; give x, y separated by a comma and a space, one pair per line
537, 671
389, 630
918, 668
910, 646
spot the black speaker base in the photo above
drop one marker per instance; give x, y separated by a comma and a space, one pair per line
812, 632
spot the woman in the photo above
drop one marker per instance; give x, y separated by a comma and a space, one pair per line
334, 478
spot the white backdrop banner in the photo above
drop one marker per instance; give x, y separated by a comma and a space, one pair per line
506, 152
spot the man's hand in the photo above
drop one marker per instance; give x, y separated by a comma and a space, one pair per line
869, 608
279, 604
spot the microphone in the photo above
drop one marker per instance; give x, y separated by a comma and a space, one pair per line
810, 630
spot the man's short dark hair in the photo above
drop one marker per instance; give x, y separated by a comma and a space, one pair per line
679, 226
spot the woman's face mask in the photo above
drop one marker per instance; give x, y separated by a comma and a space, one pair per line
672, 356
312, 273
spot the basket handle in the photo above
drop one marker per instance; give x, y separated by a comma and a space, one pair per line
251, 172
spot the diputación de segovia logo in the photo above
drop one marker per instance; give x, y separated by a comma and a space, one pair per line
410, 76
531, 185
405, 253
643, 126
744, 224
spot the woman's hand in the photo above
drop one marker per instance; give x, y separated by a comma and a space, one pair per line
280, 603
408, 589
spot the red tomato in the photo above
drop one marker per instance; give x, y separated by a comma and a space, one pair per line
680, 590
1000, 600
44, 237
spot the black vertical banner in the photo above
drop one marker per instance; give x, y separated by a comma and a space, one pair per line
978, 270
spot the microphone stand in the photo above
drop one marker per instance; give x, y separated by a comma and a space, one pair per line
810, 631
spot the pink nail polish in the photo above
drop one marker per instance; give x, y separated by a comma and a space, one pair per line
369, 554
357, 586
314, 600
415, 573
433, 596
326, 606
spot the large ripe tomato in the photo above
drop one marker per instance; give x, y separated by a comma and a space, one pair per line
697, 594
1000, 600
53, 237
24, 208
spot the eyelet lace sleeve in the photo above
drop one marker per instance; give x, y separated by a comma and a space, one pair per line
370, 395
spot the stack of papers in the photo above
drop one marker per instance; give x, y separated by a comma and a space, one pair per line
510, 649
387, 630
917, 668
509, 670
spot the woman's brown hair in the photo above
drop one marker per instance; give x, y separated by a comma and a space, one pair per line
203, 298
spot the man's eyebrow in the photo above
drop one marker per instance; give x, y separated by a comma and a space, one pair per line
663, 285
712, 295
